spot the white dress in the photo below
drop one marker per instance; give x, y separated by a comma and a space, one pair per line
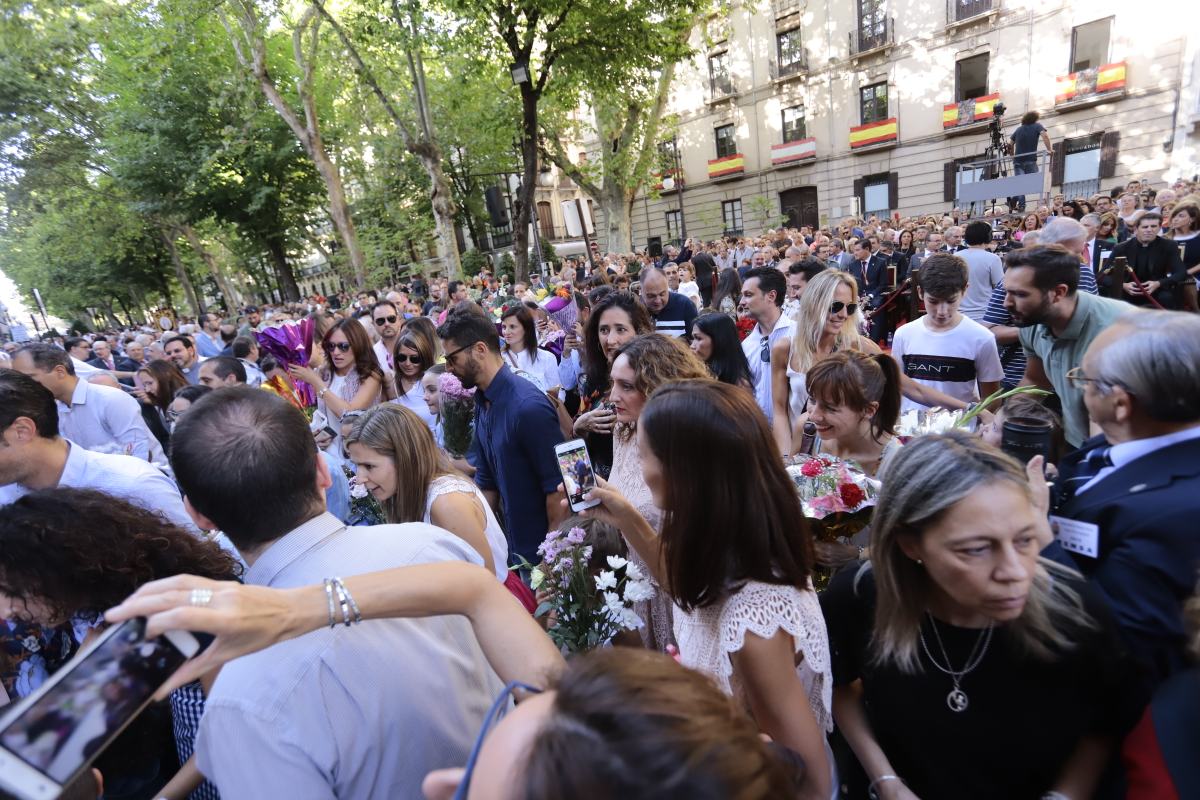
414, 401
544, 371
708, 636
797, 393
446, 484
626, 478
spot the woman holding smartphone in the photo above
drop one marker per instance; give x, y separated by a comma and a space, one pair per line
104, 549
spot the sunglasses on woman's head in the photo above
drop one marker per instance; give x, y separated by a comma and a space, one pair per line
386, 320
343, 346
837, 306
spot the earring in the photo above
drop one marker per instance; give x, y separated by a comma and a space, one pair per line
919, 561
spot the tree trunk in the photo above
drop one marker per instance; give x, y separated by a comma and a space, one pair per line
287, 279
227, 291
529, 154
189, 291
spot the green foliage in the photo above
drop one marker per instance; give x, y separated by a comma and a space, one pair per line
508, 266
473, 263
764, 213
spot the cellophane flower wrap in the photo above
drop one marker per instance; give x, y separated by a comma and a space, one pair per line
585, 610
837, 496
291, 343
458, 415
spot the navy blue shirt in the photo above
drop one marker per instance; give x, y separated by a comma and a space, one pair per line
516, 429
676, 317
1025, 137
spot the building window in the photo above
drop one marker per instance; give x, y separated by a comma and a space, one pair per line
673, 227
718, 74
793, 124
1089, 44
1081, 165
875, 196
872, 24
726, 143
971, 78
873, 100
731, 215
790, 51
668, 155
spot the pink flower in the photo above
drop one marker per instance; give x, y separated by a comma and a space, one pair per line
451, 388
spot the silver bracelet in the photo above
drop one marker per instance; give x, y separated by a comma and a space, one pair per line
332, 605
874, 795
347, 602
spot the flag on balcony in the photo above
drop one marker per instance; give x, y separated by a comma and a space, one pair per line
1108, 78
968, 111
791, 152
729, 165
887, 130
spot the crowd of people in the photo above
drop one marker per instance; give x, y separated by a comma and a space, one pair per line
1003, 628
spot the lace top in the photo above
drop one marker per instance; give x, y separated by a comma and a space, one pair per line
707, 637
446, 484
626, 478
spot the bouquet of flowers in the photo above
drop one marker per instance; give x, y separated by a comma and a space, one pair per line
364, 508
837, 496
920, 422
291, 343
458, 415
744, 326
585, 610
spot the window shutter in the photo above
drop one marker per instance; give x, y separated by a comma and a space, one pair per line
949, 173
859, 193
893, 191
1109, 145
1057, 163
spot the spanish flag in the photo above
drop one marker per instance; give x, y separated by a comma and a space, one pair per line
887, 130
1109, 78
969, 111
729, 165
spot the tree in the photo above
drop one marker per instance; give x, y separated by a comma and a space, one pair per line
250, 47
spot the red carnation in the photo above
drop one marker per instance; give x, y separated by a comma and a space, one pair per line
851, 494
810, 468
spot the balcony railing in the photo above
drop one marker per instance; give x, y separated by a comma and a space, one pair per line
963, 10
870, 37
1090, 84
719, 87
797, 66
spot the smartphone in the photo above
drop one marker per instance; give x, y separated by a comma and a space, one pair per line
50, 737
578, 476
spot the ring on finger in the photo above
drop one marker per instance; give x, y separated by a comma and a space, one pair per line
200, 597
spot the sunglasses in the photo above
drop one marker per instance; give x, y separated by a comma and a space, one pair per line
343, 346
764, 352
494, 715
386, 320
837, 306
401, 358
450, 356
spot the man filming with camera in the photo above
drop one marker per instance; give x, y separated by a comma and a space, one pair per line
1025, 147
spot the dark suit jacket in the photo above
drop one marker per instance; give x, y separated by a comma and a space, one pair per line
876, 279
1149, 546
1165, 266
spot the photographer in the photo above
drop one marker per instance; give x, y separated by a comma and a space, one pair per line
1025, 148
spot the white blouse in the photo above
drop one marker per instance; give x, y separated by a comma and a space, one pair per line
446, 484
544, 371
414, 400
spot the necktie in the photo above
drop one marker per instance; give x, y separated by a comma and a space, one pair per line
109, 364
1087, 254
864, 272
1091, 465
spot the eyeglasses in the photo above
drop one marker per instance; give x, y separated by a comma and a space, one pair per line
343, 346
386, 320
402, 358
1079, 379
837, 306
494, 715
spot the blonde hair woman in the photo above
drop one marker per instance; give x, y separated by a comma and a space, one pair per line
957, 623
828, 322
403, 468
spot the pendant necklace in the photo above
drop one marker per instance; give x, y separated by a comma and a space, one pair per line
957, 700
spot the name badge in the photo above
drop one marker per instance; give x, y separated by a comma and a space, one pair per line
1078, 537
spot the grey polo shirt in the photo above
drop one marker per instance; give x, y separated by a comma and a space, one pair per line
1059, 354
361, 713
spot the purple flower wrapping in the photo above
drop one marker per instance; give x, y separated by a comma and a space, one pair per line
291, 343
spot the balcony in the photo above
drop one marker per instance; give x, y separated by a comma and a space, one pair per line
966, 116
875, 135
872, 37
1089, 87
720, 88
795, 68
792, 154
785, 8
731, 166
959, 12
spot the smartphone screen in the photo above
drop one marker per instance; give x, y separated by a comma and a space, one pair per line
70, 721
578, 477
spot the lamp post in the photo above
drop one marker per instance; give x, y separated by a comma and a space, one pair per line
533, 222
669, 183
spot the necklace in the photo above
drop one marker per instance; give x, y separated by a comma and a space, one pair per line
957, 699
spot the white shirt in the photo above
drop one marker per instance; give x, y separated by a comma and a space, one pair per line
952, 362
414, 401
108, 420
544, 371
126, 477
254, 375
1121, 454
760, 371
84, 370
382, 354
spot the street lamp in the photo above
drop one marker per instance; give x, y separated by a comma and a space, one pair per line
520, 73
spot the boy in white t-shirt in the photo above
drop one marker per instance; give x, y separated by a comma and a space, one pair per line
944, 349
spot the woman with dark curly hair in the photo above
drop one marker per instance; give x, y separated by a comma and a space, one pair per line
66, 555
